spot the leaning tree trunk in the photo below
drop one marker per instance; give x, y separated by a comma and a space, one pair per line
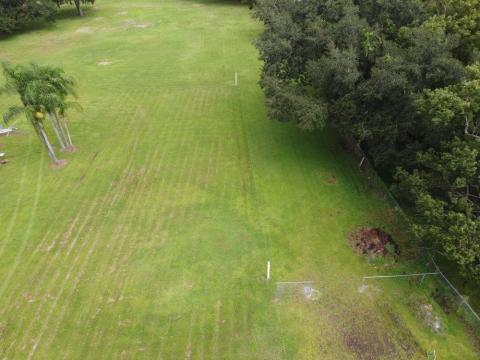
68, 131
39, 134
57, 134
64, 130
79, 9
51, 152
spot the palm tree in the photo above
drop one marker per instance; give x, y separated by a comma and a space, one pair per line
62, 112
35, 116
43, 90
57, 99
43, 94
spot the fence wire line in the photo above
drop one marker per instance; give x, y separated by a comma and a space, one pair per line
464, 301
400, 275
380, 185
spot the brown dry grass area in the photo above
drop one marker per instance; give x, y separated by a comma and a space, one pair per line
365, 335
373, 241
331, 180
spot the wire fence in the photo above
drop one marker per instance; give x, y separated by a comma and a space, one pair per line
448, 293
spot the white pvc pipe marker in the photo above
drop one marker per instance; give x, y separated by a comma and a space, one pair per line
268, 270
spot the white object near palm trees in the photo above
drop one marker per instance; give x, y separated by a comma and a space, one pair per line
6, 132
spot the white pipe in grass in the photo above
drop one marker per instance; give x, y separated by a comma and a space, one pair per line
268, 270
401, 275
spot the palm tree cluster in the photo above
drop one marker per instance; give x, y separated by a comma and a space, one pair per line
44, 92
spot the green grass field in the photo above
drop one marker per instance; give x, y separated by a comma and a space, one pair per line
153, 242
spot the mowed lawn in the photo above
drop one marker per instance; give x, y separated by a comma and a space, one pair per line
153, 242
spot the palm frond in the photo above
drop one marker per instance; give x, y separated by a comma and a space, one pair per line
12, 112
71, 105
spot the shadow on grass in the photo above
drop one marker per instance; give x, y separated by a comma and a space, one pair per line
64, 13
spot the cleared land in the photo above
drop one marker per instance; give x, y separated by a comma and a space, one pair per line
152, 243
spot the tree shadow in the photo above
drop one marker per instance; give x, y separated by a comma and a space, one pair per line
64, 13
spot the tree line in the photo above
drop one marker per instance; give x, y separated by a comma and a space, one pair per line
19, 14
401, 77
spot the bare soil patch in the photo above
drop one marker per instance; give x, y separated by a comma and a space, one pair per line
134, 24
366, 342
59, 165
331, 180
85, 30
326, 177
365, 334
373, 242
69, 149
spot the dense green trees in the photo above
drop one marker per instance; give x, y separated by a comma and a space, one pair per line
400, 77
462, 18
444, 183
18, 14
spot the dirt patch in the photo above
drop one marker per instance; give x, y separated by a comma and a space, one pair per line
326, 177
69, 149
59, 165
373, 242
85, 30
365, 340
134, 24
143, 26
104, 63
376, 334
331, 180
